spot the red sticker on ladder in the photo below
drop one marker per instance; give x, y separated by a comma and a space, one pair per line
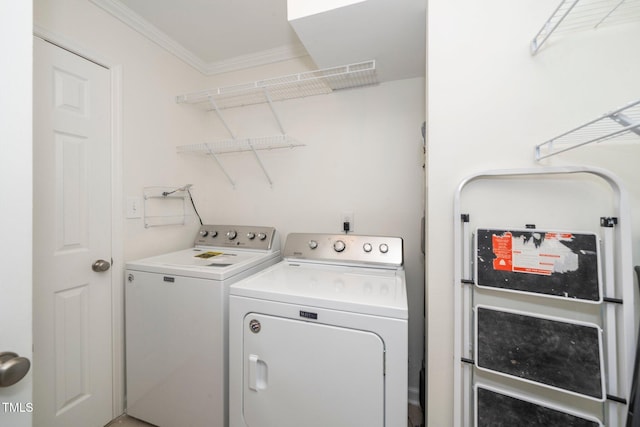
502, 249
534, 253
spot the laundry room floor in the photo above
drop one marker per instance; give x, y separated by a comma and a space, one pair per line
127, 421
415, 419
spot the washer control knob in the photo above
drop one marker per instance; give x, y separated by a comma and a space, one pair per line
262, 236
339, 246
313, 244
204, 233
251, 235
214, 234
232, 234
367, 247
384, 248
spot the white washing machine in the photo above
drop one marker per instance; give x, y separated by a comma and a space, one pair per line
320, 339
176, 308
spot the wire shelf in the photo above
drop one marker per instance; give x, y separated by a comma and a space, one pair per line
299, 85
241, 145
621, 123
238, 145
578, 15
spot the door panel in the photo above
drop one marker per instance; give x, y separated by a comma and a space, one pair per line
304, 373
71, 377
72, 229
71, 186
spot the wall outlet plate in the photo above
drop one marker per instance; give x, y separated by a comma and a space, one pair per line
346, 216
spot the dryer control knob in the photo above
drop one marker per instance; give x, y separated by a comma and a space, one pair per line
313, 244
232, 234
214, 234
339, 246
251, 236
204, 233
367, 247
384, 248
262, 236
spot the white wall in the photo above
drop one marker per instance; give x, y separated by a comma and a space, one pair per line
15, 214
489, 103
363, 150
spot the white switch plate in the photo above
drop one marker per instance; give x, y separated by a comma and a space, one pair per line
134, 207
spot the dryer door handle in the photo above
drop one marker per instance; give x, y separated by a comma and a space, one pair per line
258, 373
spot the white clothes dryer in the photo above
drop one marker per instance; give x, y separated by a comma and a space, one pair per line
176, 308
320, 339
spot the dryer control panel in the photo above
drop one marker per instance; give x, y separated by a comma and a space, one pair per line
238, 236
350, 249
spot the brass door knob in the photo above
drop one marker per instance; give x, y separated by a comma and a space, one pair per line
12, 368
100, 265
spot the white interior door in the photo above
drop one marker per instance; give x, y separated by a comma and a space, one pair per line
302, 373
72, 230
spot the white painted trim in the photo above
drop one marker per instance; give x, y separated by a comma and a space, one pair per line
117, 216
117, 239
144, 27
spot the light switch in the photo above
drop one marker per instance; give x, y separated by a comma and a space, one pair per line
134, 207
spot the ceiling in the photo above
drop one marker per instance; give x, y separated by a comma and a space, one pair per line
216, 36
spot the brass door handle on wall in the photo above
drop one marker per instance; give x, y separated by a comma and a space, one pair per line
12, 368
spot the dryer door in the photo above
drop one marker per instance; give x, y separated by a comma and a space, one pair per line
302, 373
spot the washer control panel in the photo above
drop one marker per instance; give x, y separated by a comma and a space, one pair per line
236, 236
345, 248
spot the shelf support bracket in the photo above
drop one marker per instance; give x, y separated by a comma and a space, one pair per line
264, 170
215, 107
217, 160
273, 110
213, 104
548, 28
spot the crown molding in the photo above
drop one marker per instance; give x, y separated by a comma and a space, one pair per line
148, 30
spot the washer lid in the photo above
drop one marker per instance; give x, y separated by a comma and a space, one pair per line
208, 263
379, 292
